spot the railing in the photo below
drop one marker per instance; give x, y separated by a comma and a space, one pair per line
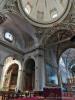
9, 95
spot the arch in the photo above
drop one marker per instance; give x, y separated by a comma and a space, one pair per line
9, 62
28, 57
64, 50
66, 47
29, 74
69, 54
72, 65
30, 60
63, 34
73, 69
10, 81
67, 68
13, 61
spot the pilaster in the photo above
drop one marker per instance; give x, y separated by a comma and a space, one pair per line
39, 70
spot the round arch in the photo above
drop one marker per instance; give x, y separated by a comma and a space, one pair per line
29, 74
27, 58
9, 62
66, 68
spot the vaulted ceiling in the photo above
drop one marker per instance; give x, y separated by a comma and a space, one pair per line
27, 34
22, 30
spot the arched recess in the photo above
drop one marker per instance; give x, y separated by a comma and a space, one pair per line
29, 74
67, 69
9, 64
10, 81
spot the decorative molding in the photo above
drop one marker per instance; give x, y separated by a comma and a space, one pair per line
38, 55
51, 24
11, 5
2, 18
7, 45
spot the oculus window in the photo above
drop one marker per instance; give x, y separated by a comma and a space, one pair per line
8, 36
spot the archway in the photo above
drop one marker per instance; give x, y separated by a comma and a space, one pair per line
30, 74
12, 67
73, 70
67, 69
10, 81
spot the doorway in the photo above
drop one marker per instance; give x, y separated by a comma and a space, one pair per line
30, 75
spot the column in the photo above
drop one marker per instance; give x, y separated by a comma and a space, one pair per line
23, 80
39, 70
55, 62
19, 80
